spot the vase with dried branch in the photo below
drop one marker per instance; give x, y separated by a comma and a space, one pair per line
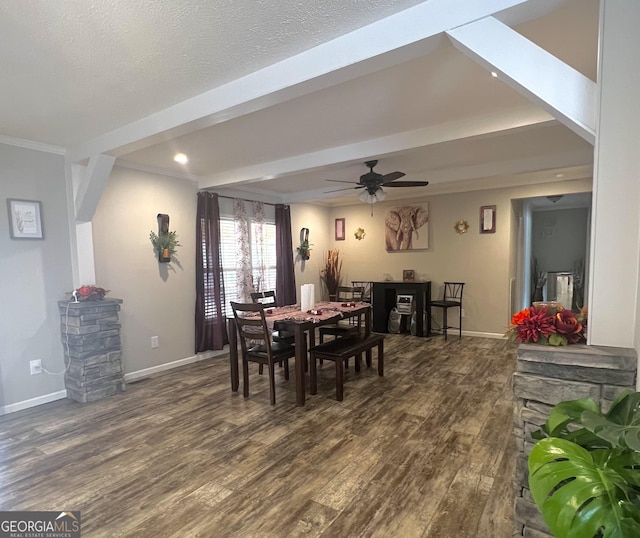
330, 275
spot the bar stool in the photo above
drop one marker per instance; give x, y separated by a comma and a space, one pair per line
452, 298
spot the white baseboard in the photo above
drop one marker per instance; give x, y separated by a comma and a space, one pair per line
475, 334
174, 364
33, 402
483, 335
60, 395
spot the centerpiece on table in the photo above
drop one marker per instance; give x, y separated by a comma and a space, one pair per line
548, 324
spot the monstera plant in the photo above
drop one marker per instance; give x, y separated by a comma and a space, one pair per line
584, 471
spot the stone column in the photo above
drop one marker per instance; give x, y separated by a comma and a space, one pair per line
545, 376
91, 341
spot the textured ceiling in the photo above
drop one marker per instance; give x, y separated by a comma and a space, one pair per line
76, 72
99, 65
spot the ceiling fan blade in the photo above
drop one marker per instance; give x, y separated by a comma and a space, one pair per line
391, 177
345, 189
407, 184
340, 181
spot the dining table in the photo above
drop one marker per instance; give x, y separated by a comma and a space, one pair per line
300, 323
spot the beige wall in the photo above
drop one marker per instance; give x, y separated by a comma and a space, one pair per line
315, 218
159, 298
485, 262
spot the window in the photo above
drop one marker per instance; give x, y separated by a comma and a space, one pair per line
262, 279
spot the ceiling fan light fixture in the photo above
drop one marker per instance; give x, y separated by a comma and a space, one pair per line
372, 197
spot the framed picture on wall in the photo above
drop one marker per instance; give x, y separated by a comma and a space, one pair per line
25, 220
407, 228
488, 219
339, 228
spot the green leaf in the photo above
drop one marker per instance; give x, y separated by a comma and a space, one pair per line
624, 409
619, 435
580, 492
569, 411
556, 339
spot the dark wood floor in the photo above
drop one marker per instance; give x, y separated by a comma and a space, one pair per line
424, 451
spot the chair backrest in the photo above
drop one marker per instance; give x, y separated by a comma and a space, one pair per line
453, 291
264, 297
253, 328
366, 288
350, 293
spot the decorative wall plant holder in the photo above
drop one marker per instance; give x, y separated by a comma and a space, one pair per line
304, 250
165, 243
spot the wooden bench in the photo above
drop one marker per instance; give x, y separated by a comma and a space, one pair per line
341, 349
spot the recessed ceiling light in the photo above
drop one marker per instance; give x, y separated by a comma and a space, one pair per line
181, 158
494, 74
559, 175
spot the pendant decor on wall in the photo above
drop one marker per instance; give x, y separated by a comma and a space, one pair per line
304, 250
461, 226
165, 243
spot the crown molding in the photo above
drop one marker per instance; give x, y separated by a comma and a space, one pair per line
30, 144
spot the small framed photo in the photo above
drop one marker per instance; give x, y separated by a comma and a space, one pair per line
25, 219
488, 219
408, 275
339, 228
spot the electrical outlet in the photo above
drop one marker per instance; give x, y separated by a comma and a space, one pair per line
35, 367
155, 342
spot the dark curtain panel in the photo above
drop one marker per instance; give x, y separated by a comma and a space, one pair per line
211, 332
285, 274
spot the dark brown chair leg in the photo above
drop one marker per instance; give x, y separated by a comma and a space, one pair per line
286, 369
313, 373
381, 358
444, 322
339, 380
245, 377
358, 361
272, 383
369, 357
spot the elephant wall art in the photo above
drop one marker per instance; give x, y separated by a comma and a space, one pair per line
407, 228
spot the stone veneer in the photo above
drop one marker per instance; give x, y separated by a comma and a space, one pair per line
545, 376
91, 341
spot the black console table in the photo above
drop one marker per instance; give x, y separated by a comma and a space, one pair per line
384, 299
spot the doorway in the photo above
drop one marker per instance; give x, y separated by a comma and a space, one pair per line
553, 250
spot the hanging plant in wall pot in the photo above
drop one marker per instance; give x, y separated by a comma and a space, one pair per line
165, 245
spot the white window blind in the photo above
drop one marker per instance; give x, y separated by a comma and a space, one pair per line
228, 253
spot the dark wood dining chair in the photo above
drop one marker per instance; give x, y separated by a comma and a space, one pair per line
279, 334
344, 328
451, 298
267, 298
256, 345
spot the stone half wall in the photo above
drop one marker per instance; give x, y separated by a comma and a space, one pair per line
92, 350
545, 376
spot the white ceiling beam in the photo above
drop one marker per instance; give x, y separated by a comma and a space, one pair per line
90, 189
389, 41
469, 127
565, 93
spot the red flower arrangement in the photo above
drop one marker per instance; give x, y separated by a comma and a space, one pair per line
550, 325
89, 293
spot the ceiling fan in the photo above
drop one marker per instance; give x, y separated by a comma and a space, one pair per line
372, 183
